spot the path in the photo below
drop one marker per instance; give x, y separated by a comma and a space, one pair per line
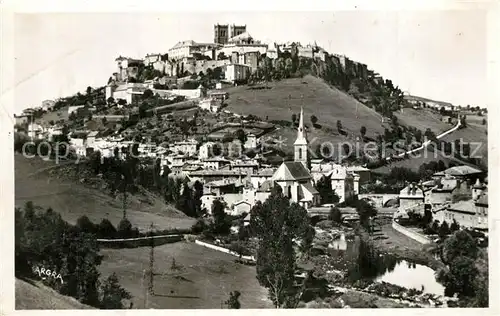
426, 143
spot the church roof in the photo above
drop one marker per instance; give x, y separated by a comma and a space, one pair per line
291, 171
310, 188
242, 36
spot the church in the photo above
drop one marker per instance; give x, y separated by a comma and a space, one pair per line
294, 177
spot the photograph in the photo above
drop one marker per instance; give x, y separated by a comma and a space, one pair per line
249, 159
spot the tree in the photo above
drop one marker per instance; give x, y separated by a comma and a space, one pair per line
276, 223
106, 229
459, 244
326, 192
147, 94
233, 302
110, 100
418, 136
122, 102
339, 125
221, 224
294, 118
444, 230
89, 90
112, 294
366, 211
124, 228
240, 134
454, 226
363, 131
314, 120
335, 215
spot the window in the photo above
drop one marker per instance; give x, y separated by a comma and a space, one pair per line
300, 153
289, 192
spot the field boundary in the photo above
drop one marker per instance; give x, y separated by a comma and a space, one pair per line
222, 249
139, 241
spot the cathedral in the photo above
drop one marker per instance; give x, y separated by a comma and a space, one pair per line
294, 177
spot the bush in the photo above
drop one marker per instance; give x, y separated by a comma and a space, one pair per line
106, 229
239, 249
85, 225
199, 226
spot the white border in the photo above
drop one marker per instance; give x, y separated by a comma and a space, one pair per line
8, 8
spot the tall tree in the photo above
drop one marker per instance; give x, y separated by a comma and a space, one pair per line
112, 294
233, 301
277, 223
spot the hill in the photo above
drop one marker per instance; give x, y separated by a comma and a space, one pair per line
285, 97
422, 99
35, 295
70, 198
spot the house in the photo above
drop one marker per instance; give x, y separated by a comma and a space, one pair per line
251, 142
206, 150
461, 172
205, 176
344, 183
468, 214
263, 175
189, 48
364, 173
35, 131
74, 108
187, 147
218, 95
247, 167
22, 119
241, 207
237, 72
48, 105
293, 177
411, 198
210, 104
215, 163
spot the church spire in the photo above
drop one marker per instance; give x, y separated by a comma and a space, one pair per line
300, 145
301, 136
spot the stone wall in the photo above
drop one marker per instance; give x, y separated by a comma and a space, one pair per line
411, 234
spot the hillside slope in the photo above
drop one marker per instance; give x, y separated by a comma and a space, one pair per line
72, 199
285, 98
38, 296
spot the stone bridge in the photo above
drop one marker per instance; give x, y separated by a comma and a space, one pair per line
379, 200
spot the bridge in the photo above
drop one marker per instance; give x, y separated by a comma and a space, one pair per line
379, 200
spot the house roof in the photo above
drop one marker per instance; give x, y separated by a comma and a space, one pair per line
459, 171
483, 200
411, 191
309, 188
266, 172
466, 207
290, 171
266, 186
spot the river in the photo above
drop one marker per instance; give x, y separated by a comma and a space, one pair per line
364, 263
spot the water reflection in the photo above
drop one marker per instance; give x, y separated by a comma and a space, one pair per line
362, 261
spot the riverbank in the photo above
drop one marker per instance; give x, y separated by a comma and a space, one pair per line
389, 241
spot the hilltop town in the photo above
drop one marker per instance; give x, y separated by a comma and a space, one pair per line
215, 135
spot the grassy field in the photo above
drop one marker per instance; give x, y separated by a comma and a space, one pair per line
285, 98
204, 279
72, 199
61, 114
35, 295
422, 119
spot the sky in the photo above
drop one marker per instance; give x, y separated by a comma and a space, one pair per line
436, 54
